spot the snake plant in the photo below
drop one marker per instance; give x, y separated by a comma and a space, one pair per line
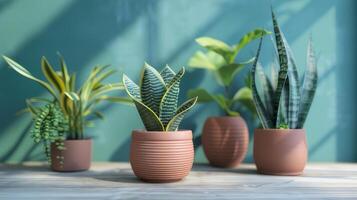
66, 112
286, 101
220, 59
156, 98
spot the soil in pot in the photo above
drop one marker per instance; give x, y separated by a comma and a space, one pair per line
161, 156
77, 156
225, 141
280, 151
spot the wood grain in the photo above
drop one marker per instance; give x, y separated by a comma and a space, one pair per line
116, 181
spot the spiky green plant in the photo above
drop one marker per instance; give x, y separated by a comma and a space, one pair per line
156, 98
220, 59
286, 102
67, 103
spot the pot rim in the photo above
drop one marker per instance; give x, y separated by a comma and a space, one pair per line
162, 135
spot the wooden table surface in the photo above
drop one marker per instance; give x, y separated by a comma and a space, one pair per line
117, 181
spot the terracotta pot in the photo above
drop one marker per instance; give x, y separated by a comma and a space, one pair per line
77, 156
225, 140
161, 156
280, 151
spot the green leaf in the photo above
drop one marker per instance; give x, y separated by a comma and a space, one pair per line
167, 74
294, 88
244, 96
24, 72
283, 72
123, 100
180, 113
152, 88
247, 38
64, 70
131, 88
217, 46
202, 94
268, 91
168, 104
309, 85
105, 89
52, 76
150, 120
261, 110
227, 73
210, 60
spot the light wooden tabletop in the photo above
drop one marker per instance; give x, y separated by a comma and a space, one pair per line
117, 181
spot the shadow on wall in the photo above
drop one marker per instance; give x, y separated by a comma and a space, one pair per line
79, 35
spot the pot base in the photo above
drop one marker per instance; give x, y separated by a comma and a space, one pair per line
280, 173
160, 181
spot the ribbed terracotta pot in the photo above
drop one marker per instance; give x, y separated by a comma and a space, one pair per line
280, 151
161, 156
225, 140
77, 156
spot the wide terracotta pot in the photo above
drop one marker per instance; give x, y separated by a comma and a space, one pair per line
225, 140
161, 156
77, 156
280, 151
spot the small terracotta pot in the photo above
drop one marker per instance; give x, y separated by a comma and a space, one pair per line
225, 140
280, 151
77, 156
161, 156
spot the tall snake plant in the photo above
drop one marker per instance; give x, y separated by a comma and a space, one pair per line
220, 59
286, 101
156, 98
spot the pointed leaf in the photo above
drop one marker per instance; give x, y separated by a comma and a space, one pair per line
52, 76
24, 72
261, 110
167, 74
180, 113
283, 72
64, 70
247, 38
268, 92
150, 120
131, 88
152, 88
309, 85
168, 104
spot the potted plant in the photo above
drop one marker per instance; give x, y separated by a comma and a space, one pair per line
60, 120
280, 147
162, 152
225, 138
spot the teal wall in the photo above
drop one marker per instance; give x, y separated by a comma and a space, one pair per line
125, 33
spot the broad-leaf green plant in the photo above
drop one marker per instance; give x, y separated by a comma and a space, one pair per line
68, 109
286, 100
156, 98
220, 59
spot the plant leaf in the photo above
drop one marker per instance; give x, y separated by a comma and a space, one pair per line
283, 72
202, 95
268, 92
210, 60
131, 88
152, 88
52, 76
167, 74
64, 70
168, 104
227, 73
72, 82
217, 46
24, 72
261, 110
294, 88
247, 38
105, 89
245, 96
309, 85
180, 113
